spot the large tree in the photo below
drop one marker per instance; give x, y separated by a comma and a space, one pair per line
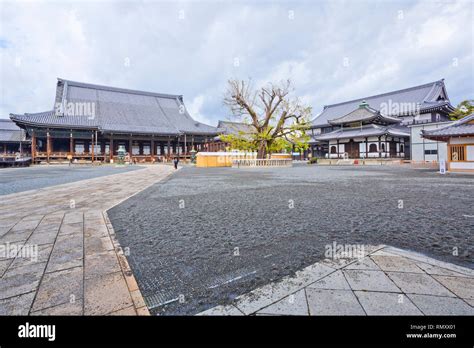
275, 116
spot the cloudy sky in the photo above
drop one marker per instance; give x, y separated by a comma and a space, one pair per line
331, 50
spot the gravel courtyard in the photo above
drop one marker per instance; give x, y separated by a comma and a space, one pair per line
13, 180
207, 235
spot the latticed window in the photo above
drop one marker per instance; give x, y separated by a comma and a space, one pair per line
333, 149
373, 148
457, 153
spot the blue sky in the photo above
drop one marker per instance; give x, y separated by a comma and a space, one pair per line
332, 50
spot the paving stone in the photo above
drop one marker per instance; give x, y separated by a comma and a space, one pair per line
265, 295
221, 311
386, 303
463, 287
59, 287
337, 263
270, 293
294, 304
62, 309
370, 281
23, 225
21, 280
4, 265
76, 228
94, 245
100, 264
335, 281
437, 305
73, 217
143, 311
17, 305
412, 283
126, 311
137, 298
106, 294
16, 236
436, 270
365, 264
43, 237
26, 258
470, 301
422, 258
67, 253
311, 274
396, 264
333, 302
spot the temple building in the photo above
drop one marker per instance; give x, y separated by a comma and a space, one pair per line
226, 128
366, 133
91, 122
459, 137
383, 125
13, 142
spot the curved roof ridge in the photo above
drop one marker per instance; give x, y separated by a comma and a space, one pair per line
386, 93
118, 89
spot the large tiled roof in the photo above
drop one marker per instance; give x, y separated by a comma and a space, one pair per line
428, 96
227, 127
462, 127
366, 131
119, 110
10, 132
364, 113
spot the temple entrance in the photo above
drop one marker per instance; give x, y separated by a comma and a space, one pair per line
393, 149
352, 149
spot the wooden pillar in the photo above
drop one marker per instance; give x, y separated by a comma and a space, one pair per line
152, 148
380, 147
366, 147
48, 146
130, 147
71, 144
111, 148
337, 147
169, 148
33, 146
92, 146
185, 145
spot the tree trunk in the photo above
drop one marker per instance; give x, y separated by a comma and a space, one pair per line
262, 150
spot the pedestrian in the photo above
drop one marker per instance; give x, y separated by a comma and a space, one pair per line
176, 161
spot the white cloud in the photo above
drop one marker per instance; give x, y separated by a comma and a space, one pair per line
194, 56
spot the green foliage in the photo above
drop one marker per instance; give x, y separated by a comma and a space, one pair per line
239, 142
465, 108
313, 160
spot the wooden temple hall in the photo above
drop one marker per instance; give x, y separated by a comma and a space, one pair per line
91, 122
367, 133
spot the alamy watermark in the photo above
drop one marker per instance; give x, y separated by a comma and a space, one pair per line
396, 108
82, 109
344, 251
27, 251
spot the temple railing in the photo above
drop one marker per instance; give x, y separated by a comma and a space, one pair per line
262, 163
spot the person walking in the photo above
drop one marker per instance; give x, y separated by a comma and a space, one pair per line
176, 161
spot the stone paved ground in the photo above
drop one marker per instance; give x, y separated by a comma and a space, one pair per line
14, 180
386, 281
80, 268
208, 235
